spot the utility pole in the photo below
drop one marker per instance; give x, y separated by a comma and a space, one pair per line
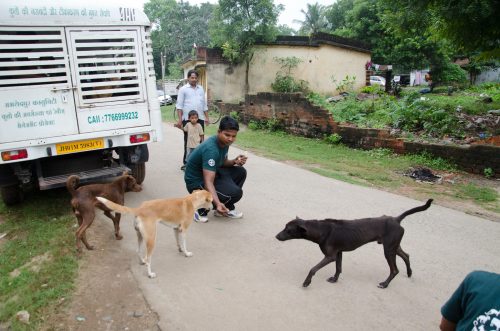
163, 59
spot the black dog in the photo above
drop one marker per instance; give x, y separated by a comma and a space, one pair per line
337, 236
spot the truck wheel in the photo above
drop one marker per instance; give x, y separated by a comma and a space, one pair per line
12, 194
138, 171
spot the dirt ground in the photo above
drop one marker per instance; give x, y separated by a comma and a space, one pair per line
107, 296
421, 190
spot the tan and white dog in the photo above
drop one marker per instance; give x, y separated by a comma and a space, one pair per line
176, 212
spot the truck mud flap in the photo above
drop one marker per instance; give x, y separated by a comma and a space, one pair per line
46, 183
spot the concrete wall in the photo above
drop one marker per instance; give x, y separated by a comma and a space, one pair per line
492, 75
320, 65
226, 82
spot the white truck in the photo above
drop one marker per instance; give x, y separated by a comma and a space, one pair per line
77, 93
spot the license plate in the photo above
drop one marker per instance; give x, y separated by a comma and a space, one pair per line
79, 146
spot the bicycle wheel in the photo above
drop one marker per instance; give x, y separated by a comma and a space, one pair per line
214, 114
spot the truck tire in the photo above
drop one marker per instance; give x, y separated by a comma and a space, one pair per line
12, 194
138, 171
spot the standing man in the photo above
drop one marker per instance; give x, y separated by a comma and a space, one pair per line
209, 168
191, 97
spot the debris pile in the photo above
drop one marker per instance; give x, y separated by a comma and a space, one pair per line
425, 175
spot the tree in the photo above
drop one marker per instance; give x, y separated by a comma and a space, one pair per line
336, 13
285, 30
176, 27
469, 25
314, 21
371, 21
238, 24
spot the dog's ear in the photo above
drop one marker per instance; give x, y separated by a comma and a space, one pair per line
302, 229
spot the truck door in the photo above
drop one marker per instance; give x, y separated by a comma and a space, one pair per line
108, 70
36, 99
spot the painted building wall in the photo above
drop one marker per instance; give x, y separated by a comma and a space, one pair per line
320, 66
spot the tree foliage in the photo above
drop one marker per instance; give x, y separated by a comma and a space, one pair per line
314, 21
177, 26
469, 25
238, 24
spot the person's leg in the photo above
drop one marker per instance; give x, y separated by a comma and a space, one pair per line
228, 184
185, 144
188, 152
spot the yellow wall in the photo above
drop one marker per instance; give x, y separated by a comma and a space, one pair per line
319, 66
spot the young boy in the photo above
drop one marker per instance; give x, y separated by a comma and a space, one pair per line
195, 134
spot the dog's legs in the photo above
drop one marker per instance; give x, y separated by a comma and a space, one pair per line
85, 242
325, 261
149, 233
338, 268
116, 223
78, 240
182, 237
80, 232
391, 260
406, 257
140, 237
176, 234
391, 246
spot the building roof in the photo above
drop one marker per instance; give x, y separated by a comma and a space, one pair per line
320, 38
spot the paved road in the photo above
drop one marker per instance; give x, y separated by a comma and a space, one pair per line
242, 278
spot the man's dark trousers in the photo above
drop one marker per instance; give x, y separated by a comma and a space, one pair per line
228, 184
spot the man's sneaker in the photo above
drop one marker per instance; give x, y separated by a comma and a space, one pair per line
231, 214
200, 219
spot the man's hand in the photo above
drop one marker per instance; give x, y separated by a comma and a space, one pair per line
221, 208
240, 160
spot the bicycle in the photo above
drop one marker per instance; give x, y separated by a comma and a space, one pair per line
214, 113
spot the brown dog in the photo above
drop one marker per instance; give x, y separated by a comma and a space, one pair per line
84, 202
176, 212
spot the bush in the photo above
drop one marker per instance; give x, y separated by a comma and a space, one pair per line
450, 74
272, 125
333, 139
286, 84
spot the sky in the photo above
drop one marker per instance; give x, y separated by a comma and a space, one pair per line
291, 12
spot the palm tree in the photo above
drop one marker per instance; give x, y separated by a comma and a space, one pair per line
315, 20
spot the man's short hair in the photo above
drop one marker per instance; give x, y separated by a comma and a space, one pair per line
192, 71
192, 112
228, 123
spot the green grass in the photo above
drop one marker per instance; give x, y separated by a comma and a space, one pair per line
42, 227
167, 113
434, 114
479, 194
379, 168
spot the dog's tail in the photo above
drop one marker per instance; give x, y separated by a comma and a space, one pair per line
114, 206
414, 210
71, 184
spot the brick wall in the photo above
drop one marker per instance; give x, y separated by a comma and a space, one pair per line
298, 116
